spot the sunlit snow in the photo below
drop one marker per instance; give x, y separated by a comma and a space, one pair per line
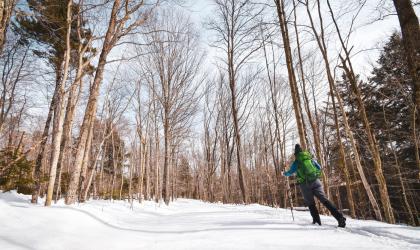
184, 224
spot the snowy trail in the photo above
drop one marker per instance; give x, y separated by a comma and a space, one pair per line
185, 224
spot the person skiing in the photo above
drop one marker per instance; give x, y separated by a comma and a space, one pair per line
308, 172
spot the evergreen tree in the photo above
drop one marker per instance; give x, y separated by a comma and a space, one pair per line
387, 97
185, 178
45, 23
15, 171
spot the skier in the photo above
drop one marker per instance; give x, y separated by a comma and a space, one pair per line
308, 172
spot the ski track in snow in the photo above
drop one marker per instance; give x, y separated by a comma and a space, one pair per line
184, 224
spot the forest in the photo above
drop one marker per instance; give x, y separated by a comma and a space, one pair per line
141, 100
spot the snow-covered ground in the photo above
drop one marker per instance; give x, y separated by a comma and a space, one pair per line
185, 224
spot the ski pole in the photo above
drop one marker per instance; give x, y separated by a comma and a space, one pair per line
289, 197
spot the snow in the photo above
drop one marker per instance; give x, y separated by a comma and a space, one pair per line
184, 224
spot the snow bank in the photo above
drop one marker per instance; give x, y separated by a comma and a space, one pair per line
184, 224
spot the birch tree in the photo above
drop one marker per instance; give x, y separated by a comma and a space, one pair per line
59, 110
120, 24
44, 22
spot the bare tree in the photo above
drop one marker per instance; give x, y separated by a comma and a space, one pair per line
59, 110
211, 137
291, 72
372, 142
15, 70
143, 142
119, 26
85, 53
226, 141
278, 109
236, 28
172, 63
320, 40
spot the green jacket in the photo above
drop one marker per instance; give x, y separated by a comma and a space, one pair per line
306, 168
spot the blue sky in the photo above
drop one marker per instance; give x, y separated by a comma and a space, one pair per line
367, 37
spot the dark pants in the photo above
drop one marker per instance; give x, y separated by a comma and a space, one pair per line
315, 189
311, 190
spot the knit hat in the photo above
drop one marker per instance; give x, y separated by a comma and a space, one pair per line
298, 149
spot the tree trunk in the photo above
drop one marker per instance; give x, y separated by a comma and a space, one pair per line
91, 107
291, 72
6, 10
41, 152
372, 143
44, 139
147, 170
411, 39
173, 171
116, 29
315, 128
400, 178
130, 181
343, 162
238, 143
89, 182
157, 164
232, 85
122, 181
373, 147
85, 163
357, 160
321, 44
101, 177
165, 183
143, 154
70, 111
66, 138
56, 141
59, 111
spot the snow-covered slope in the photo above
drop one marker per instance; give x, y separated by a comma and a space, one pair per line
185, 224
